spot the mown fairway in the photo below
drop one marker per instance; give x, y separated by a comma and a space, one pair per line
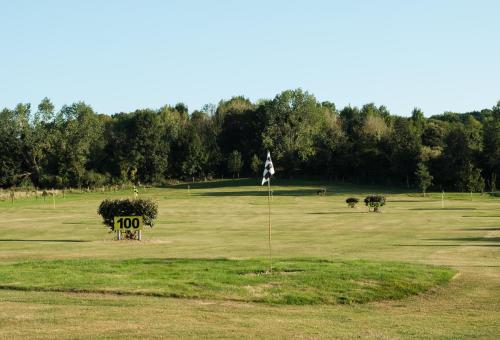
229, 220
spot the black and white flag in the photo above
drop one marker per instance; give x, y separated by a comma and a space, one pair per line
268, 169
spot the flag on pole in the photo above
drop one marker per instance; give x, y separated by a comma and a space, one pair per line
268, 169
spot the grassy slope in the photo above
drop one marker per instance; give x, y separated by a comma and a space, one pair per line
226, 221
297, 281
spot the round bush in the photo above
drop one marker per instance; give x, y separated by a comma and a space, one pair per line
352, 201
108, 209
374, 202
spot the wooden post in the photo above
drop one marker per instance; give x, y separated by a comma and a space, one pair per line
140, 235
119, 234
269, 238
442, 199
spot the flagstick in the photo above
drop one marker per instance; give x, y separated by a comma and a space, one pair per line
269, 205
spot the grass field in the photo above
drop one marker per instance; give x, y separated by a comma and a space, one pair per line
229, 220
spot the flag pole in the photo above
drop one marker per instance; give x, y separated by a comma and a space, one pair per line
269, 206
266, 176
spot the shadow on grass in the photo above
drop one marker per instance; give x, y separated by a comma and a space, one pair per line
481, 228
301, 192
423, 200
447, 245
331, 186
469, 239
443, 209
223, 183
338, 213
489, 216
55, 241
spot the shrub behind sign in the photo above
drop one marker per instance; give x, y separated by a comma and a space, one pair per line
118, 214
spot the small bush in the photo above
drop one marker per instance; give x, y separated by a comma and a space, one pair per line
352, 201
374, 202
108, 209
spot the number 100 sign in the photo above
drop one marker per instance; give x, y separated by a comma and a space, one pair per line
124, 223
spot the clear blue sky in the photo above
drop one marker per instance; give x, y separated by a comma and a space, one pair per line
123, 55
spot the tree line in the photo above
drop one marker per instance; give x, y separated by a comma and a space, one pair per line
77, 147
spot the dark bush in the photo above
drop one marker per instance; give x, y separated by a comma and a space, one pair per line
374, 202
352, 201
108, 209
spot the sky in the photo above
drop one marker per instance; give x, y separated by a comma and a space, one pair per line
119, 56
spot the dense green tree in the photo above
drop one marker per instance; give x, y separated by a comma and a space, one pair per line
327, 143
418, 120
470, 179
77, 129
235, 163
424, 178
491, 154
148, 145
77, 147
405, 150
191, 154
457, 154
10, 149
293, 119
241, 127
256, 165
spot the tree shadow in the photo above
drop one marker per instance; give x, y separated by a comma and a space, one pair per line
447, 245
298, 192
331, 186
338, 213
221, 183
443, 209
481, 216
482, 228
423, 200
468, 239
55, 241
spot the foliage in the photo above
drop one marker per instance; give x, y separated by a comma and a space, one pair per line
374, 202
235, 163
471, 179
424, 178
352, 201
294, 118
108, 209
256, 165
76, 147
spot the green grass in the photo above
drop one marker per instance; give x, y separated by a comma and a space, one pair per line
299, 281
229, 220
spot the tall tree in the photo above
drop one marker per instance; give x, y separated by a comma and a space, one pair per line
293, 118
405, 149
424, 178
10, 149
78, 128
235, 163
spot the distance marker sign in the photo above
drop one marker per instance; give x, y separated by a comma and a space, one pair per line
130, 223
